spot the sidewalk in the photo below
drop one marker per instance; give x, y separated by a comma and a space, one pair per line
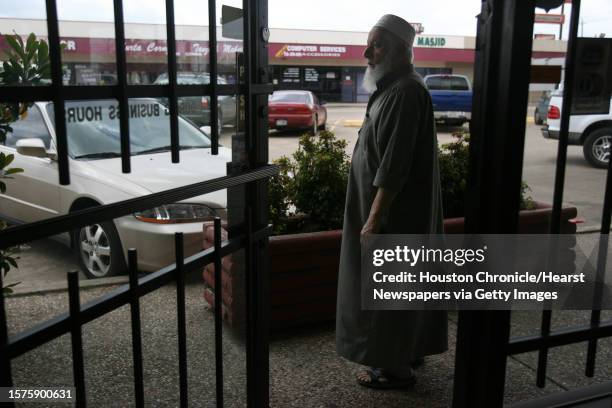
304, 368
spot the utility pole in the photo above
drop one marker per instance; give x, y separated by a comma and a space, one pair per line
561, 25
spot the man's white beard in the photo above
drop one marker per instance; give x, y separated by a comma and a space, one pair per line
375, 74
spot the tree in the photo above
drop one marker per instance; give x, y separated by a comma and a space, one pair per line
26, 64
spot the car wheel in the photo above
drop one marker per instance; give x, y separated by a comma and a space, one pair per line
597, 147
323, 125
99, 250
315, 127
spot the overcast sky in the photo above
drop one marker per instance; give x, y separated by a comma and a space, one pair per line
450, 17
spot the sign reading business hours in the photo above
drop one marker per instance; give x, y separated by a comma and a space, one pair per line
593, 76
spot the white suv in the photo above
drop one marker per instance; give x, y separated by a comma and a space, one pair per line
593, 132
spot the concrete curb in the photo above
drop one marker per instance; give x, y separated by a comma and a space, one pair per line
41, 288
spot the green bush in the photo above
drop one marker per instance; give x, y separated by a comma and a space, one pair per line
454, 159
309, 192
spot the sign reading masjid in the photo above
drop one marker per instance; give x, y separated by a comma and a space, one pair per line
431, 41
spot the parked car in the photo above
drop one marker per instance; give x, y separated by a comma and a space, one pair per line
541, 111
296, 110
592, 132
96, 179
451, 96
197, 108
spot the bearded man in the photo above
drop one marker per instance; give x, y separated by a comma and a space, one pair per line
394, 188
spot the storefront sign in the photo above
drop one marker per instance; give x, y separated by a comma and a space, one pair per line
431, 41
550, 18
141, 48
291, 75
436, 41
418, 27
545, 36
310, 51
311, 75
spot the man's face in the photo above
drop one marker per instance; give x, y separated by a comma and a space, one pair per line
377, 49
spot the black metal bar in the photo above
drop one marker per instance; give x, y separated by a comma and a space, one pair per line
124, 108
256, 78
41, 229
602, 258
248, 79
59, 325
171, 41
180, 308
568, 91
134, 295
214, 101
218, 313
78, 370
502, 69
555, 225
543, 353
559, 338
77, 92
5, 359
55, 58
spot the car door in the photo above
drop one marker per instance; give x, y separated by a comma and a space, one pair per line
34, 194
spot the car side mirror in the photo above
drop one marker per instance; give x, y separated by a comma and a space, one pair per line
323, 102
35, 148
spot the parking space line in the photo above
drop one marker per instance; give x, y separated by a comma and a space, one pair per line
353, 123
336, 124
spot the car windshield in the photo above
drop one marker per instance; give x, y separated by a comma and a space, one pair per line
92, 128
290, 97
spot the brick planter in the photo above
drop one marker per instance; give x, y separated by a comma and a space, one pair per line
304, 270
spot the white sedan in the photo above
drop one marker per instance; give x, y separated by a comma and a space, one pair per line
97, 179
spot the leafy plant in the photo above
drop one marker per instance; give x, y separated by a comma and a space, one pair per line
309, 193
27, 64
454, 159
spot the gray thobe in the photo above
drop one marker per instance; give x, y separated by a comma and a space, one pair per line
397, 150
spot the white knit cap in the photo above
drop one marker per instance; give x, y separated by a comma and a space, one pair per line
398, 26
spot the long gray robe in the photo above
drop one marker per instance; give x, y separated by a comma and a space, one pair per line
396, 150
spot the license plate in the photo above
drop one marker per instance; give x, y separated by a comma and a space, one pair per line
281, 122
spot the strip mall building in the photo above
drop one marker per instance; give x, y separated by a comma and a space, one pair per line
329, 63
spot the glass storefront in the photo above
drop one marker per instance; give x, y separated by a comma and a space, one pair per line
331, 84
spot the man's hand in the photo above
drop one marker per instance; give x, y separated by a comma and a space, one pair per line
372, 226
381, 203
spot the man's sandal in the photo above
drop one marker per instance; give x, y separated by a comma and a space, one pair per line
377, 378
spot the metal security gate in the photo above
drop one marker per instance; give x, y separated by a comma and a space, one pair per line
502, 69
251, 235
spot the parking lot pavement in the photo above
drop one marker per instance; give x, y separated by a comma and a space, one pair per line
305, 370
43, 266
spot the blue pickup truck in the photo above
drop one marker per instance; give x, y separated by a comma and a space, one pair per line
452, 98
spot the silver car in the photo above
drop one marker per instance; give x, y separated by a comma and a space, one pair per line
197, 108
97, 179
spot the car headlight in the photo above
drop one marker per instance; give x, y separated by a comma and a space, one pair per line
177, 213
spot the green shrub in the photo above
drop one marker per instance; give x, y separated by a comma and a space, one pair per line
309, 192
454, 159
